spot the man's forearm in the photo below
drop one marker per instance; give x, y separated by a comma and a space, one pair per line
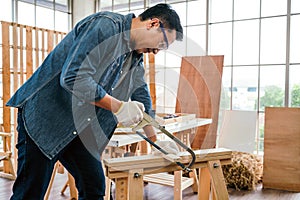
150, 132
109, 103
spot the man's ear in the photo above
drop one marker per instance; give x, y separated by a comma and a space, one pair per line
153, 22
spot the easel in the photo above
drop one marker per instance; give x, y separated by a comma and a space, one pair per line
129, 172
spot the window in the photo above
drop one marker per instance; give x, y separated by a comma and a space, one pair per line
48, 14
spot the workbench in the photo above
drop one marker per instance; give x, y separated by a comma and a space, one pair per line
129, 172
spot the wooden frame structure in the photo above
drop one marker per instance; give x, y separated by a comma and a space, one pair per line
23, 50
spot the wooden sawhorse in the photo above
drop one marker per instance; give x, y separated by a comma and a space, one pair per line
128, 173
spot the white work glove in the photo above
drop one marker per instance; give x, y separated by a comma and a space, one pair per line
130, 113
168, 145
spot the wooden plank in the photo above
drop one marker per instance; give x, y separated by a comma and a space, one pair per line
218, 180
204, 183
37, 50
29, 64
50, 34
282, 149
199, 92
121, 188
178, 187
167, 179
21, 55
135, 184
152, 86
117, 167
111, 173
155, 160
43, 44
6, 77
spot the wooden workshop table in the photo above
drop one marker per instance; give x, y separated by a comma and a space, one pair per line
128, 172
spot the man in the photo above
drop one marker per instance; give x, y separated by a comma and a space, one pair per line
70, 107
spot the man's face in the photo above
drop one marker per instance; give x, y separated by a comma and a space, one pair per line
156, 38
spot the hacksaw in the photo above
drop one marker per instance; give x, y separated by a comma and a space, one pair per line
148, 120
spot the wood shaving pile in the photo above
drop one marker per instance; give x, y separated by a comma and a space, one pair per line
245, 171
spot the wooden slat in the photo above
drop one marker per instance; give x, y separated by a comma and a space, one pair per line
21, 55
29, 64
135, 179
218, 179
37, 50
43, 44
49, 41
152, 86
6, 76
204, 183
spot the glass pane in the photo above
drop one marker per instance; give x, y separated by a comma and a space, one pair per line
26, 14
246, 42
260, 139
167, 1
44, 18
160, 60
160, 89
6, 11
196, 40
272, 84
61, 21
137, 12
196, 13
295, 6
45, 3
273, 40
61, 5
245, 83
294, 86
180, 9
105, 5
136, 4
246, 9
121, 5
226, 89
295, 39
273, 7
220, 10
172, 60
171, 86
221, 44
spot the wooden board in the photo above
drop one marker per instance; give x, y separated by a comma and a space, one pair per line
199, 92
152, 161
282, 149
164, 118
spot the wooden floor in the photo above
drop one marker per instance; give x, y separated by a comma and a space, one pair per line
159, 192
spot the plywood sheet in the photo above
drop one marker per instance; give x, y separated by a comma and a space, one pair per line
282, 149
199, 92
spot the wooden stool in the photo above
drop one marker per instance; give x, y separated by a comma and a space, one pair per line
129, 173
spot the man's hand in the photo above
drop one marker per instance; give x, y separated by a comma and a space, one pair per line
168, 145
130, 113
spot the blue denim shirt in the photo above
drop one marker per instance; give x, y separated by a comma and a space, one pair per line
83, 68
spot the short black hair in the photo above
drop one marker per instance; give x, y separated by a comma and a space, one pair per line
168, 17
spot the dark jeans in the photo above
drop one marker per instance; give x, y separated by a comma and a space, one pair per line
35, 169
